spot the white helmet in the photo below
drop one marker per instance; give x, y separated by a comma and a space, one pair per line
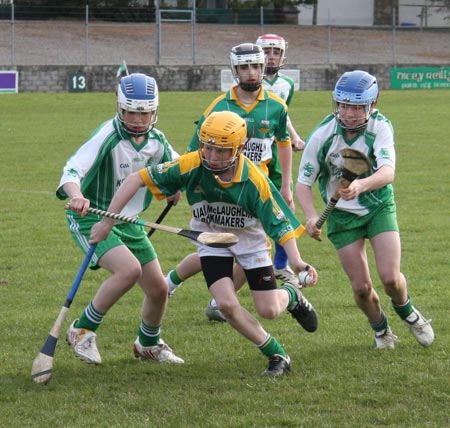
270, 41
138, 92
244, 54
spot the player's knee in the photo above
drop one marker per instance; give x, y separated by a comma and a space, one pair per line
391, 281
267, 312
129, 274
229, 309
362, 291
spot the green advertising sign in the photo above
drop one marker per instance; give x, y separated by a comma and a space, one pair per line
420, 78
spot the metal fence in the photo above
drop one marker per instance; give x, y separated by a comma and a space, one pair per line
177, 39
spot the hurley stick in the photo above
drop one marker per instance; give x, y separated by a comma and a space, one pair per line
355, 164
41, 371
161, 217
212, 239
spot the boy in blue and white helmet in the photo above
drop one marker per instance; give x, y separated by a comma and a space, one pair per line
366, 208
355, 88
91, 177
137, 103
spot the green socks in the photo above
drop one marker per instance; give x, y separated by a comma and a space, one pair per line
270, 346
380, 325
148, 336
403, 311
173, 275
90, 319
292, 295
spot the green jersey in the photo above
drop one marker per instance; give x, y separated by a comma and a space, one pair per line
266, 121
101, 165
250, 206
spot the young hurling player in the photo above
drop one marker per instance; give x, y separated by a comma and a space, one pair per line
366, 209
275, 48
91, 177
231, 186
268, 146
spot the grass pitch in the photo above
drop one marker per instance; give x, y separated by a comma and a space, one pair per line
338, 379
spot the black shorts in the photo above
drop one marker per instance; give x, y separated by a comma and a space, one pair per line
215, 268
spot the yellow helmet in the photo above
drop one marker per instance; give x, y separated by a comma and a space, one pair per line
225, 130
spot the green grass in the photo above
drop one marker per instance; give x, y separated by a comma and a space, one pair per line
338, 380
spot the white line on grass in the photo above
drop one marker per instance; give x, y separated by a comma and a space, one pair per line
31, 192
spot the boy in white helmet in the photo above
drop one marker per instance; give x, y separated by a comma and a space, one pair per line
275, 48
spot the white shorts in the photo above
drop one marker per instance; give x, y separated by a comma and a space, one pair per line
252, 251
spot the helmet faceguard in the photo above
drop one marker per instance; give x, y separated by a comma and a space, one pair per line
355, 88
246, 54
137, 93
272, 41
224, 131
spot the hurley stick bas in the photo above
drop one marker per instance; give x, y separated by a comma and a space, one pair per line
212, 239
42, 368
355, 165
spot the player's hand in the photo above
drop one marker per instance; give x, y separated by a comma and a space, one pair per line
312, 230
312, 276
80, 205
352, 191
174, 198
100, 230
297, 144
307, 274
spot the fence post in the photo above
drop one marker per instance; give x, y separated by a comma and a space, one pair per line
194, 19
13, 35
86, 38
158, 32
329, 39
394, 20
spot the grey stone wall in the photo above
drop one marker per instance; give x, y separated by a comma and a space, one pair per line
180, 78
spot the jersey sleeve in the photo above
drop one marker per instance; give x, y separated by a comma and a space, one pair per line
84, 160
278, 221
309, 165
166, 179
383, 148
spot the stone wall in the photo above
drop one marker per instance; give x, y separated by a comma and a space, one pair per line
179, 78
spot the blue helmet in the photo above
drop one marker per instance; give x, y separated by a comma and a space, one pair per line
357, 88
139, 93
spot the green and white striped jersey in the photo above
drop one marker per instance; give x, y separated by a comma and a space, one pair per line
282, 85
250, 205
321, 160
103, 162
